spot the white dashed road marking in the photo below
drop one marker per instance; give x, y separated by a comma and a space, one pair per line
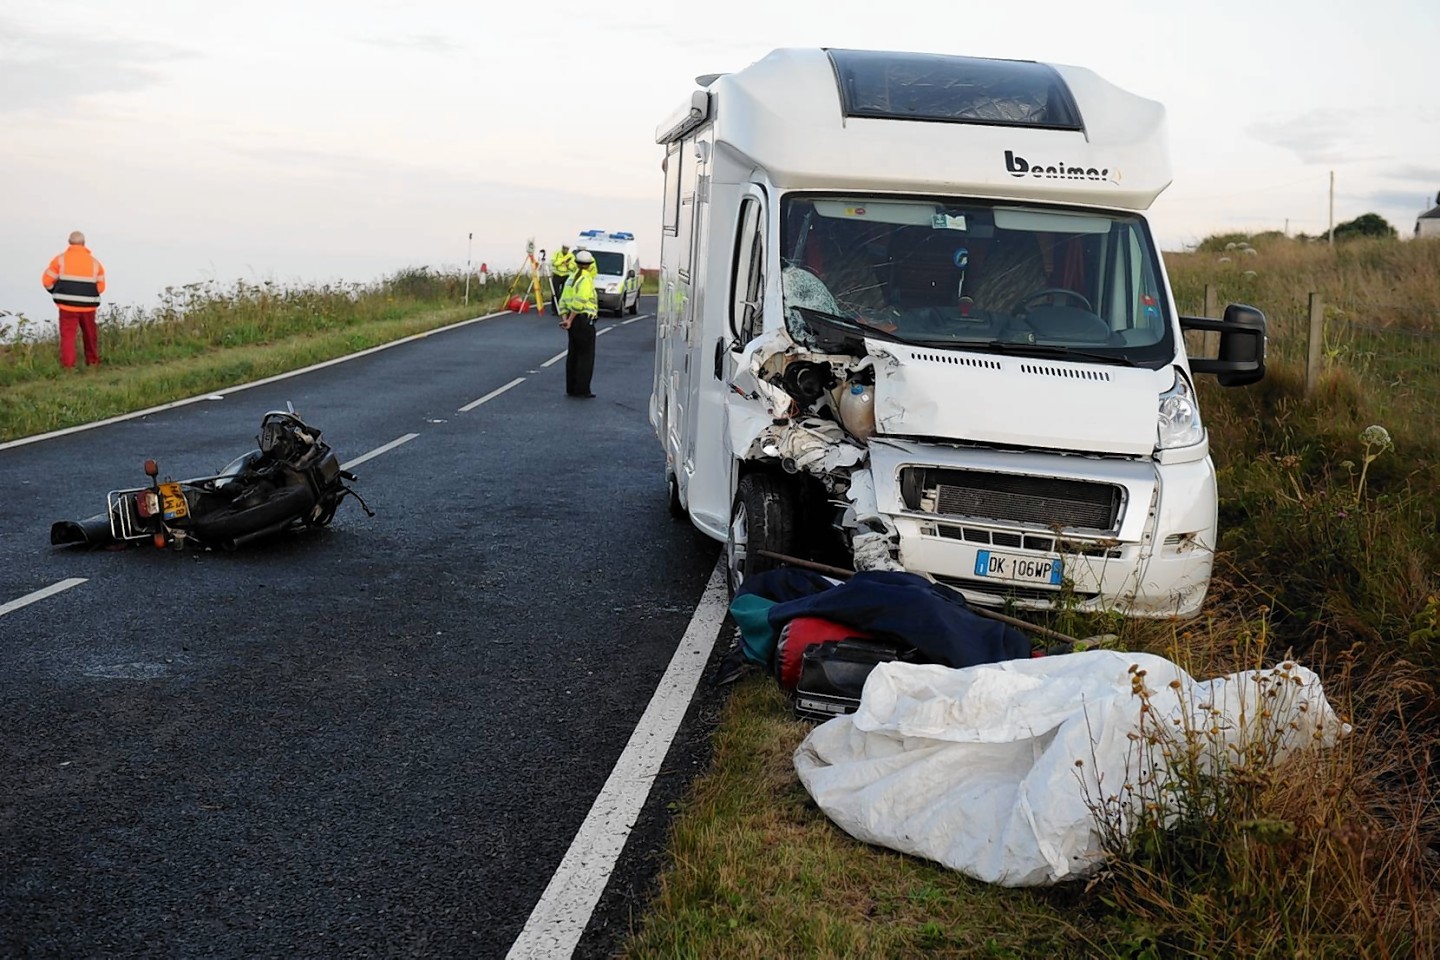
491, 395
558, 920
379, 450
49, 591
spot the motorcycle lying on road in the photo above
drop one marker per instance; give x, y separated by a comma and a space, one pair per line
294, 479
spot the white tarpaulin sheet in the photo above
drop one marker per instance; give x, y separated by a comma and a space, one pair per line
976, 768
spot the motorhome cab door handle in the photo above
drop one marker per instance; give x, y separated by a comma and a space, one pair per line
720, 359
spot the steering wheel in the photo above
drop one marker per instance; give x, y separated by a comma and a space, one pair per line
1025, 301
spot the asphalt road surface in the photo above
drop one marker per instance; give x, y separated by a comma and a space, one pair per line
378, 739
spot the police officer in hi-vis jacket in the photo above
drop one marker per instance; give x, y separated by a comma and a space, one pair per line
561, 266
578, 309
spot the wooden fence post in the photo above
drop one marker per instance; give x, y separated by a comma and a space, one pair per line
1317, 342
1210, 342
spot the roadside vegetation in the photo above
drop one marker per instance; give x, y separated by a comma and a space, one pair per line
1329, 556
204, 337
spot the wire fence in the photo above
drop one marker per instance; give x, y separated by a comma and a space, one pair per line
1399, 366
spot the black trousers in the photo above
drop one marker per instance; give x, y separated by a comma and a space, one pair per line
557, 284
580, 360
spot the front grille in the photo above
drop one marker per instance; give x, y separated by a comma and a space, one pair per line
1013, 498
1027, 541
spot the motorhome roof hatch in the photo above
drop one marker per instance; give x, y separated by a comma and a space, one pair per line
950, 89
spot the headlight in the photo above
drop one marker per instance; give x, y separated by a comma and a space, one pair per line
612, 288
1179, 416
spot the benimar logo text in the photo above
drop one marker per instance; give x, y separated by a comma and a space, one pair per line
1020, 167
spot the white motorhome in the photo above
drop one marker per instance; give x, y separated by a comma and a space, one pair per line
912, 316
617, 265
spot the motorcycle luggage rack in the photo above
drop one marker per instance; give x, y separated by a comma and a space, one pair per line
124, 520
125, 523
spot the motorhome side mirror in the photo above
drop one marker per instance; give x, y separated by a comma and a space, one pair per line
1241, 357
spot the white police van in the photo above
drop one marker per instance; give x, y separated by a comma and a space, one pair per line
911, 311
617, 265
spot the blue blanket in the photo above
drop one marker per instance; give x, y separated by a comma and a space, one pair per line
892, 605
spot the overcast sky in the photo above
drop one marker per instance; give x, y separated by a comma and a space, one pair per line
314, 141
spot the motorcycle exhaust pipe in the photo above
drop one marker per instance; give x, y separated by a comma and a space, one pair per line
235, 543
90, 532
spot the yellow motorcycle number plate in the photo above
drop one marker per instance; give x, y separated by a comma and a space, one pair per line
172, 501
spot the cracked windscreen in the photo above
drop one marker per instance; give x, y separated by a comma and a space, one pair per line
988, 276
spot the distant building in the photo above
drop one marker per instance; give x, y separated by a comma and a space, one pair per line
1428, 223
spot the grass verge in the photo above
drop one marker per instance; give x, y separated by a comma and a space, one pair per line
203, 340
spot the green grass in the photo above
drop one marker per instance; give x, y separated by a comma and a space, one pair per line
760, 873
203, 339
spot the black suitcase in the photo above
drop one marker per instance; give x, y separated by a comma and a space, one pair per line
833, 673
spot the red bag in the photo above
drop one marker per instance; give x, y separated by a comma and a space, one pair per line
800, 634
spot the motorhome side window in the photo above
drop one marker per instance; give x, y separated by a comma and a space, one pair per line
943, 273
686, 218
669, 220
745, 313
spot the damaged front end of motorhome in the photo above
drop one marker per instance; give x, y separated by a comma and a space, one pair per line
912, 317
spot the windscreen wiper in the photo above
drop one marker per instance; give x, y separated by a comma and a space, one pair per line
823, 324
1054, 350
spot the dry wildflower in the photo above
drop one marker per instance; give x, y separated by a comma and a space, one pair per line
1376, 436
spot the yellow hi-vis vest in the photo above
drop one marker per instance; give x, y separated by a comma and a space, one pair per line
579, 293
563, 263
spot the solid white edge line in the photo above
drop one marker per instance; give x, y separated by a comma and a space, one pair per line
244, 386
601, 333
559, 919
49, 591
491, 395
379, 450
626, 323
555, 359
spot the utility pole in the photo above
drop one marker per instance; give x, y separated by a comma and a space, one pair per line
1287, 226
469, 248
1332, 208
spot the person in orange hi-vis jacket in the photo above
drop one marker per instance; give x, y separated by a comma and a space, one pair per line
75, 280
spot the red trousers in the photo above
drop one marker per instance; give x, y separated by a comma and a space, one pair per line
85, 321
